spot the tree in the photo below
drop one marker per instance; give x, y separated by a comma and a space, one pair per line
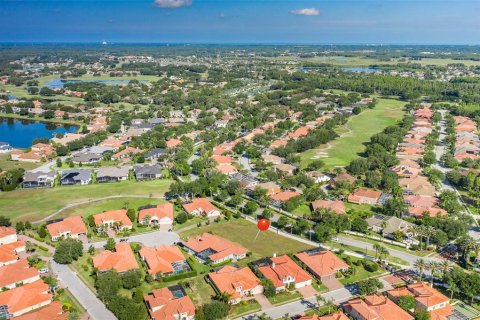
369, 286
110, 245
407, 302
419, 265
181, 218
42, 232
68, 250
108, 284
422, 315
19, 226
213, 311
91, 250
131, 214
131, 279
250, 207
359, 225
5, 221
268, 288
323, 232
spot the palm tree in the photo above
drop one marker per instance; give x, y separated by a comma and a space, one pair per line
428, 232
420, 266
444, 266
383, 252
452, 287
378, 248
432, 267
466, 245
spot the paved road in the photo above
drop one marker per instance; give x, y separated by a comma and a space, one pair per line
95, 308
151, 239
245, 162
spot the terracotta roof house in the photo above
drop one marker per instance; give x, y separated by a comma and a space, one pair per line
26, 298
163, 304
214, 248
221, 159
282, 271
406, 171
418, 212
300, 132
161, 215
173, 143
375, 307
226, 169
15, 273
72, 227
164, 259
339, 315
281, 197
7, 235
344, 177
127, 152
9, 252
278, 143
271, 187
318, 177
365, 196
285, 168
335, 206
110, 219
427, 298
421, 201
239, 283
53, 311
201, 206
112, 143
418, 185
270, 158
121, 260
323, 264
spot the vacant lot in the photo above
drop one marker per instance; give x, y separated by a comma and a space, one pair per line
6, 164
243, 232
36, 204
355, 134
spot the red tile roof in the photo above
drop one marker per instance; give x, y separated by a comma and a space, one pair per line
336, 206
16, 273
221, 246
160, 211
26, 297
121, 260
323, 263
281, 268
74, 225
201, 204
339, 315
285, 195
7, 231
229, 278
160, 259
377, 307
163, 305
115, 215
53, 311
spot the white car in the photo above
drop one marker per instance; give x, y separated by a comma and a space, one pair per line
42, 271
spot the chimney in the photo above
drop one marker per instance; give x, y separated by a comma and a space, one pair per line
274, 254
273, 265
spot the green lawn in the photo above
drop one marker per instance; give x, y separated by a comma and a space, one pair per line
243, 232
365, 251
360, 128
360, 274
38, 118
7, 164
245, 307
284, 297
302, 210
36, 204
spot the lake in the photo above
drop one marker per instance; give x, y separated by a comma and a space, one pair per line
59, 83
20, 133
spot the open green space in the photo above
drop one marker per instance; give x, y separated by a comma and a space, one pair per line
365, 251
37, 118
243, 232
360, 128
360, 273
6, 164
284, 297
36, 204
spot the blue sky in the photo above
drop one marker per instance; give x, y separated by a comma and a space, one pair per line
242, 21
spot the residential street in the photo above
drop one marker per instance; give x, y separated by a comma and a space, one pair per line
150, 239
95, 308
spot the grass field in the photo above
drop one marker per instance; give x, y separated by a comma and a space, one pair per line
243, 232
365, 62
355, 134
6, 164
36, 204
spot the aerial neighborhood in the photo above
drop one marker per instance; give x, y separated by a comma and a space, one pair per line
210, 183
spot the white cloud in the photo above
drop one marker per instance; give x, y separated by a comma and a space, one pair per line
172, 4
306, 12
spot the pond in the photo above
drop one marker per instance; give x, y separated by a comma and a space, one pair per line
60, 83
20, 133
362, 69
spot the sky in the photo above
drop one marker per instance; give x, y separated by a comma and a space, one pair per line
242, 21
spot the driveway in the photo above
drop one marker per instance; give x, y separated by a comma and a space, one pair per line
151, 239
95, 308
332, 284
263, 301
307, 292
